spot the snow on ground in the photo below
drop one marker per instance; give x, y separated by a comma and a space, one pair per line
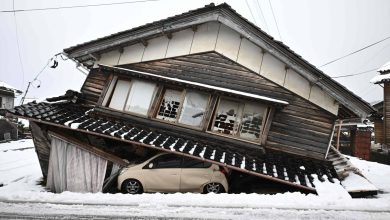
20, 173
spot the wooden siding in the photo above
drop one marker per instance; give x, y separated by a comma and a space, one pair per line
386, 112
378, 128
42, 145
300, 128
93, 86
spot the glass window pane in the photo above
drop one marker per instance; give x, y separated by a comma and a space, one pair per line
120, 93
252, 119
227, 118
194, 107
169, 108
140, 97
167, 161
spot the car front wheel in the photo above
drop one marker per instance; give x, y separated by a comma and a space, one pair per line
132, 186
213, 188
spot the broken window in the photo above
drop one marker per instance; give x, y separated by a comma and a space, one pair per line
133, 96
183, 106
251, 122
169, 107
226, 119
239, 119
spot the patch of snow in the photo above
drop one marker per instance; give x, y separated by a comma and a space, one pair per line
356, 183
75, 125
379, 78
385, 67
20, 174
330, 190
243, 163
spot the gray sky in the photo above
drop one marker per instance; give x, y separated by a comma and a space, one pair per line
318, 30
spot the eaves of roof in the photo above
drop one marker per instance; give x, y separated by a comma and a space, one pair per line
277, 166
225, 14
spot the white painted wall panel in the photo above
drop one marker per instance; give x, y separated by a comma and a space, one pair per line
156, 48
132, 54
297, 84
250, 55
205, 37
273, 69
322, 99
180, 44
110, 58
228, 42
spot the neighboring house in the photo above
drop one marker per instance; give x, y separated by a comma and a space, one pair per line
381, 118
205, 84
8, 129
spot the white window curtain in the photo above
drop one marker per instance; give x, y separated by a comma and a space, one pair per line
74, 169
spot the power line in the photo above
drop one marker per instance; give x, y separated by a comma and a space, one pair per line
75, 6
356, 51
276, 23
354, 74
18, 44
250, 10
262, 14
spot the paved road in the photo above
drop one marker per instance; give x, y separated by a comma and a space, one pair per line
28, 210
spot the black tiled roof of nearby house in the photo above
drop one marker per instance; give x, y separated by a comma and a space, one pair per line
282, 167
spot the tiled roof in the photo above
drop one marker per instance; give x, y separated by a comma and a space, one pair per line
278, 166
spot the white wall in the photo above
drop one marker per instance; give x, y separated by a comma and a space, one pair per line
7, 102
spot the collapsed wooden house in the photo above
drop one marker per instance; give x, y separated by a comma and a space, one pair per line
205, 84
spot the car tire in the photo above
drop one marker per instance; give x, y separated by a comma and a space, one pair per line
213, 188
132, 186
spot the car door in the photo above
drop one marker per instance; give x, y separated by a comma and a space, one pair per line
194, 174
164, 174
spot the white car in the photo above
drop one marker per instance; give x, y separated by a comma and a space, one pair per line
171, 173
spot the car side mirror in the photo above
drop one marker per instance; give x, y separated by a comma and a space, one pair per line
150, 165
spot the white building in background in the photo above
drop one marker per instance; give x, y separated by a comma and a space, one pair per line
8, 130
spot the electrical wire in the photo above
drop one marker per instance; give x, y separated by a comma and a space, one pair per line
18, 44
262, 14
250, 10
354, 74
76, 6
354, 52
276, 23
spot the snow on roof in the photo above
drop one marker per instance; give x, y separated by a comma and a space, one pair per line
356, 183
385, 67
204, 86
380, 78
7, 86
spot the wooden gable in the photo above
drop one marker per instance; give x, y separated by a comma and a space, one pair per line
215, 36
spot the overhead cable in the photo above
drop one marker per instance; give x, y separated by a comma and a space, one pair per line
276, 23
262, 14
75, 6
356, 51
18, 44
354, 74
250, 10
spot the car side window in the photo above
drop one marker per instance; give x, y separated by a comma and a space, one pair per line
167, 161
192, 163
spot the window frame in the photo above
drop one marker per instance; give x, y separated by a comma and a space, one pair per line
266, 119
111, 91
183, 95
